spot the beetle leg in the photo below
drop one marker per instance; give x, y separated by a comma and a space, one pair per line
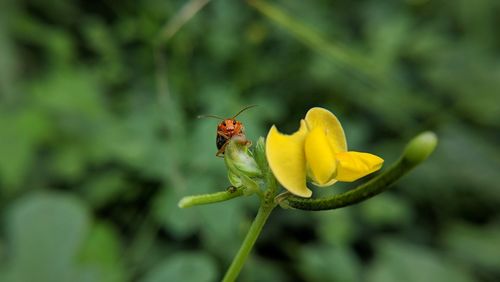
222, 134
231, 189
243, 140
221, 151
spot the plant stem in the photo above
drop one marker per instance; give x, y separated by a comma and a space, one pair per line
252, 235
267, 204
204, 199
417, 151
186, 13
341, 55
365, 191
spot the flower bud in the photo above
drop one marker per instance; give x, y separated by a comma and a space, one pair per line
420, 147
239, 160
260, 154
234, 179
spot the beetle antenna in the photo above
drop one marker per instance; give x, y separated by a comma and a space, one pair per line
209, 116
244, 109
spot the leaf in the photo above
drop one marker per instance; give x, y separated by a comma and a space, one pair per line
104, 188
185, 267
257, 269
336, 227
474, 245
397, 261
20, 133
101, 253
326, 263
386, 209
181, 222
222, 226
45, 232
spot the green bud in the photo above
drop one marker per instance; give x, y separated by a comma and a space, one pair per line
250, 186
420, 147
239, 160
234, 179
260, 154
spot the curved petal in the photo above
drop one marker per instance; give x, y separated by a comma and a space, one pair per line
285, 154
319, 117
321, 162
329, 183
354, 165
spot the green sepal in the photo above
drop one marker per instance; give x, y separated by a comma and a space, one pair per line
260, 154
234, 179
250, 186
239, 159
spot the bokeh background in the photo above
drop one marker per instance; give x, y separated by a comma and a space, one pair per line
99, 137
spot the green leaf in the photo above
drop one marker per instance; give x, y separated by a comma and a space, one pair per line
102, 253
223, 224
185, 267
45, 232
104, 188
397, 261
20, 133
326, 263
336, 227
386, 209
474, 245
182, 222
257, 270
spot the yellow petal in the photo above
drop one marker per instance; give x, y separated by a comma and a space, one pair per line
329, 183
354, 165
320, 157
286, 158
319, 117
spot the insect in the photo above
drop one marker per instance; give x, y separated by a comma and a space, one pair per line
231, 189
228, 128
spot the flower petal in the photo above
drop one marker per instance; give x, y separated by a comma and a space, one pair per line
354, 165
285, 154
329, 183
320, 157
319, 117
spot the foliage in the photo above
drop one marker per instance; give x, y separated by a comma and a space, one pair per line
94, 157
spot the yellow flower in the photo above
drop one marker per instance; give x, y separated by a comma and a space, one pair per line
318, 151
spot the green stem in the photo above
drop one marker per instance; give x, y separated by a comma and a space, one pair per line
343, 56
416, 152
267, 204
204, 199
369, 189
252, 235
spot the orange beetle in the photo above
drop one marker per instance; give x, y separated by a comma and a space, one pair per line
228, 128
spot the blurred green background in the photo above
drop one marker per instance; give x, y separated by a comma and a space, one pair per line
99, 137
